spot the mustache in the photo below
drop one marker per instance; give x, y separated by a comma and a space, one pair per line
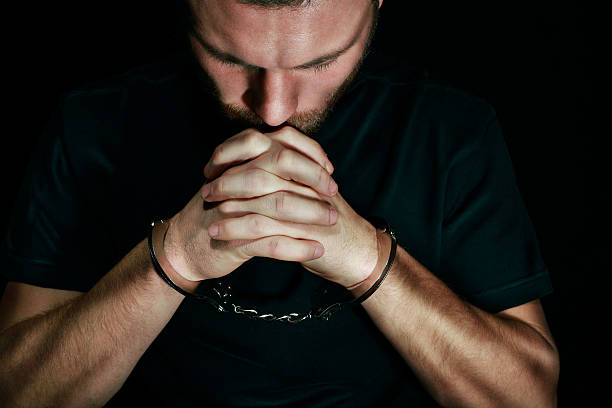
306, 122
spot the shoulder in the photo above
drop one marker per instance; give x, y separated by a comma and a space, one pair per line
107, 99
410, 91
94, 115
436, 99
155, 73
402, 99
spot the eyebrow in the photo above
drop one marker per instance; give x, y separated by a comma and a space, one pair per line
224, 56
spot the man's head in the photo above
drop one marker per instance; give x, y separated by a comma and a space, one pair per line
276, 62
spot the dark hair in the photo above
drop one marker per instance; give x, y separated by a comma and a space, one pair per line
186, 21
281, 3
275, 3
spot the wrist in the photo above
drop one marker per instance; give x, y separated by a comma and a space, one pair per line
383, 243
159, 233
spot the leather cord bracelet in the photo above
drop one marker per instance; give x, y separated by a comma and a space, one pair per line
380, 223
219, 293
156, 239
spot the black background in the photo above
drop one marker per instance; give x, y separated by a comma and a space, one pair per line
540, 65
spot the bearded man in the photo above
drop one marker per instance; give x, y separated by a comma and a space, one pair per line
411, 277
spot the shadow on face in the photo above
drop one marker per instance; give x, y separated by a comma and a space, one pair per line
276, 66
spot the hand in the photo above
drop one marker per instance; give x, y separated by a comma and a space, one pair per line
188, 247
268, 205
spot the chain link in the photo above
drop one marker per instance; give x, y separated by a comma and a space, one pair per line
221, 292
220, 300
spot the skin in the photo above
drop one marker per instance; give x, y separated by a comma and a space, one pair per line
463, 355
275, 83
272, 195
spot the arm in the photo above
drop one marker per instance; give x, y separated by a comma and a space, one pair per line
22, 301
463, 355
81, 352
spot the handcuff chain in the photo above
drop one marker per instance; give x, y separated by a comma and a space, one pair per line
222, 304
221, 294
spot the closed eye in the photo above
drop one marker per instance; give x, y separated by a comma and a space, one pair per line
324, 66
315, 68
233, 64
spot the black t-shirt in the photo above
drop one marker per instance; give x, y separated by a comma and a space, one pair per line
428, 158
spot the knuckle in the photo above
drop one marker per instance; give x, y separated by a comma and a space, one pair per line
226, 207
217, 155
286, 134
254, 138
256, 224
285, 158
216, 188
257, 178
295, 134
258, 142
286, 129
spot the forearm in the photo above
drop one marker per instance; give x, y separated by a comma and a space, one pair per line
80, 353
463, 355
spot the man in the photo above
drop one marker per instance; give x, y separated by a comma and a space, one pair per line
88, 317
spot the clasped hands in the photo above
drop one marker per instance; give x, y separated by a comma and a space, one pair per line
271, 195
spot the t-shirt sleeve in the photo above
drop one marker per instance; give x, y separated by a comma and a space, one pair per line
57, 225
490, 253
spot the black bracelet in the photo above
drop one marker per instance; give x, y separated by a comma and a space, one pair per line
160, 270
325, 312
380, 223
219, 295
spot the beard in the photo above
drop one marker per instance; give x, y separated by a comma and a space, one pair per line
307, 122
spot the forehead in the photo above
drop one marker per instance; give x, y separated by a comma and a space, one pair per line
281, 37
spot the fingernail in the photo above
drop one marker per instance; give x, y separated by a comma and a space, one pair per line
213, 230
329, 167
333, 187
318, 251
205, 191
333, 216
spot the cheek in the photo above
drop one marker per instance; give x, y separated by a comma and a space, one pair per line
315, 88
315, 91
231, 84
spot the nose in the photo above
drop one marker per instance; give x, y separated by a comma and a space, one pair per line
273, 96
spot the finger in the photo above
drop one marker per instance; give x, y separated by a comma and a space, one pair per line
282, 206
255, 226
292, 165
293, 138
289, 165
250, 183
245, 145
284, 249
